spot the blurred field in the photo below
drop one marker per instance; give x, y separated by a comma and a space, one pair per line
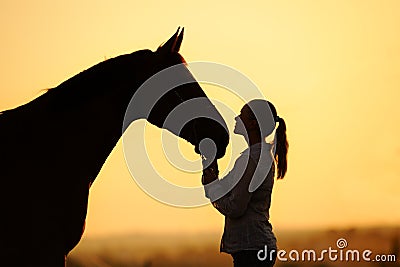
203, 249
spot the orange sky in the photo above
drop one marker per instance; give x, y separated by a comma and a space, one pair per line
332, 68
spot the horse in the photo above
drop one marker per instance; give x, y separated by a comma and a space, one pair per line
52, 149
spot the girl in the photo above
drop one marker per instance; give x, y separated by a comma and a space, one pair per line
244, 195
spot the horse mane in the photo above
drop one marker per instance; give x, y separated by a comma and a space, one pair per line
94, 80
112, 66
90, 83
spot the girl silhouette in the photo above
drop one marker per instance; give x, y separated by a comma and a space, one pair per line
244, 195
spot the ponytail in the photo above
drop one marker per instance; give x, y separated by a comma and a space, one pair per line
282, 144
281, 149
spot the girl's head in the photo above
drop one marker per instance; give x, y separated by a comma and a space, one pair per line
260, 116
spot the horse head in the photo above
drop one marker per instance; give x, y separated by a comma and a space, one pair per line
172, 99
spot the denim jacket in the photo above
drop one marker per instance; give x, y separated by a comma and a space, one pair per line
246, 213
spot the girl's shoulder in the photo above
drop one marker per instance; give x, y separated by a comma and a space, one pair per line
256, 150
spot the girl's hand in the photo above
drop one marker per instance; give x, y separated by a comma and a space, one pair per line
210, 174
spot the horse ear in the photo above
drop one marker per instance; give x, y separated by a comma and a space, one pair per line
179, 41
171, 45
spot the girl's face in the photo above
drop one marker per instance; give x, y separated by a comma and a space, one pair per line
244, 121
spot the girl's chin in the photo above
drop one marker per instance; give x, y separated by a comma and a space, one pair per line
237, 131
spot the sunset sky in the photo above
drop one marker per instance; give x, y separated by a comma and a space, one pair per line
332, 69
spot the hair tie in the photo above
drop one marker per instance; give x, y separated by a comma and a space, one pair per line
277, 119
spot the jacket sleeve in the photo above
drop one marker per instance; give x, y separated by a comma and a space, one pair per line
230, 195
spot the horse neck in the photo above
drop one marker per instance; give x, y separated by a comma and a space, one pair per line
88, 133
